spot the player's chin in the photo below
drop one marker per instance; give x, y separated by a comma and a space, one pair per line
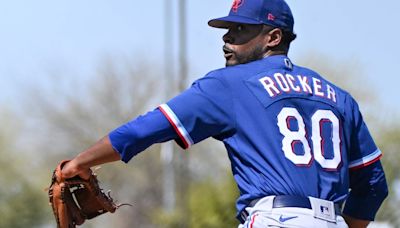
231, 62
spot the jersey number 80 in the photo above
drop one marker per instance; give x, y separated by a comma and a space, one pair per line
291, 137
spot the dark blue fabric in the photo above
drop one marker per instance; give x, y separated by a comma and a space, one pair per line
271, 12
368, 190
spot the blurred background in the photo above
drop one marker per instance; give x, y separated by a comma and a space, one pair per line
71, 71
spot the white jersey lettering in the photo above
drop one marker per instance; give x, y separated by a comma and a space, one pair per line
317, 87
331, 94
290, 80
282, 82
270, 86
304, 84
287, 83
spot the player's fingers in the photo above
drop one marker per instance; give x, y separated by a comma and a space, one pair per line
85, 174
69, 170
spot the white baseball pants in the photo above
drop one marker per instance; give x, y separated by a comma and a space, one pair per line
263, 215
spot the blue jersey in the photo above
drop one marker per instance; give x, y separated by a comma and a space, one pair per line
287, 130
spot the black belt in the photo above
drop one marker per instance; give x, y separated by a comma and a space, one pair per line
286, 201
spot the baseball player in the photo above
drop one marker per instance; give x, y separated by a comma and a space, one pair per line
300, 152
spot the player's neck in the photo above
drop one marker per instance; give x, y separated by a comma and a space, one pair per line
272, 52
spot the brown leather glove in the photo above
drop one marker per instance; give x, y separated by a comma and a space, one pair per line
74, 200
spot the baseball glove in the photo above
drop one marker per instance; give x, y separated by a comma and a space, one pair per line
74, 200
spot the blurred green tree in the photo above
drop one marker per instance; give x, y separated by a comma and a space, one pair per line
21, 196
210, 204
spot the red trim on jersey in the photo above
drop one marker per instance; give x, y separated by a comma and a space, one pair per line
366, 164
253, 219
182, 138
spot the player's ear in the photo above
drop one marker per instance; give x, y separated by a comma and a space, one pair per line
274, 38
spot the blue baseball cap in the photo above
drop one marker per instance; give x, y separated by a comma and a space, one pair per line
275, 13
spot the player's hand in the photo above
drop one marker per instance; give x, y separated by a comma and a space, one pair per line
72, 168
99, 153
355, 223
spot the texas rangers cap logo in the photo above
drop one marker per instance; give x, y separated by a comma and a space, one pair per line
271, 17
236, 4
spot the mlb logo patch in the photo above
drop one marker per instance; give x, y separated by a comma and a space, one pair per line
271, 17
325, 210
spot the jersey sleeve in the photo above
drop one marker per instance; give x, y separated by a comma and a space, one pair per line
204, 110
367, 178
138, 134
368, 191
363, 150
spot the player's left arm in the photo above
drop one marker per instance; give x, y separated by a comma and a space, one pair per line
122, 143
368, 191
199, 112
99, 153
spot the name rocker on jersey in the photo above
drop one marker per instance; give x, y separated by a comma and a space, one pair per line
287, 83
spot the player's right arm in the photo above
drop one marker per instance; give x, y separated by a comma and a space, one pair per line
355, 223
367, 177
368, 190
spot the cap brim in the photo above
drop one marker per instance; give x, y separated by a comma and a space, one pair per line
225, 22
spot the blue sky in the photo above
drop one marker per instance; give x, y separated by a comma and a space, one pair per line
44, 36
